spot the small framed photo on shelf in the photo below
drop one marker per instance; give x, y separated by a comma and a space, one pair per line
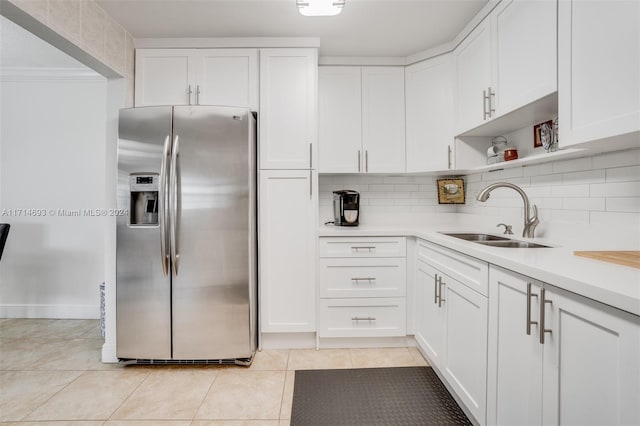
451, 191
540, 132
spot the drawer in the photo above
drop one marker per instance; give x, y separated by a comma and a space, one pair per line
365, 317
379, 277
363, 247
472, 272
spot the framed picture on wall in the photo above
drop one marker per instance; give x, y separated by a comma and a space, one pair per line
451, 191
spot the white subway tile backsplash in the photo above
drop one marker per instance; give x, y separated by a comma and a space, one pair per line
575, 165
570, 216
616, 189
623, 204
617, 159
616, 219
570, 191
589, 176
623, 174
590, 204
600, 190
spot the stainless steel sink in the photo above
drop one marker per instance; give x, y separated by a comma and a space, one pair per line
511, 244
494, 240
476, 237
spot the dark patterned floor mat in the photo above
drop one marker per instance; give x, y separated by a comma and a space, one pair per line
373, 396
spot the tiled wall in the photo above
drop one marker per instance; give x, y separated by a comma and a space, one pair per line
384, 194
599, 190
87, 25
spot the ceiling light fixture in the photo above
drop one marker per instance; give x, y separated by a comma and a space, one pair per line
320, 7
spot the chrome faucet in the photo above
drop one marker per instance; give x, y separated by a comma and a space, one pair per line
530, 222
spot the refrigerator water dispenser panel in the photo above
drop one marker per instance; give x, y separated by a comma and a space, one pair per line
143, 209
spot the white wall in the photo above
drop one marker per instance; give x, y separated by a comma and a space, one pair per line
52, 156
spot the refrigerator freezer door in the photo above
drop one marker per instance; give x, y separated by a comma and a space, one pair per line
143, 291
215, 238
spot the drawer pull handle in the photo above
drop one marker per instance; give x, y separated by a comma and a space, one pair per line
363, 319
358, 248
357, 280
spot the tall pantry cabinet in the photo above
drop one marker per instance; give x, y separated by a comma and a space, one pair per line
288, 200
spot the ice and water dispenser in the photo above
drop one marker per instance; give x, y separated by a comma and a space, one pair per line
143, 209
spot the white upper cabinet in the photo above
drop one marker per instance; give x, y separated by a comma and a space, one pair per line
598, 70
288, 86
197, 77
340, 119
508, 62
227, 77
429, 103
524, 48
162, 77
473, 78
361, 119
383, 119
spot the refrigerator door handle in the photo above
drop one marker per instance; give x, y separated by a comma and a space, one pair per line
162, 207
173, 203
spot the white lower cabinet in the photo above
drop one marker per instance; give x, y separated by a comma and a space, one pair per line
362, 287
287, 219
451, 325
583, 370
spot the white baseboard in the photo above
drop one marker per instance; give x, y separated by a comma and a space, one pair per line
288, 341
109, 353
50, 311
367, 342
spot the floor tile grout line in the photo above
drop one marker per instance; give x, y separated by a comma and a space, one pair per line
128, 396
54, 394
284, 388
193, 418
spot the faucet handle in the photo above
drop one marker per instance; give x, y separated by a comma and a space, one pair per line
507, 228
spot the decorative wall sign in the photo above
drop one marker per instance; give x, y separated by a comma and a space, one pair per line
451, 191
541, 133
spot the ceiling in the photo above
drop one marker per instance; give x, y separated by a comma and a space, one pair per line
385, 28
21, 49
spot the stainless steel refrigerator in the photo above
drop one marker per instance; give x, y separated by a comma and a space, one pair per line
186, 241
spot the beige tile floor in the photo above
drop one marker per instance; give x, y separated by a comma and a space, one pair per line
51, 374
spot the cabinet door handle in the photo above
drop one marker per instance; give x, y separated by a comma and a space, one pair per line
543, 303
366, 160
310, 183
449, 164
359, 162
435, 289
311, 156
529, 296
440, 285
484, 105
491, 107
197, 94
363, 319
189, 92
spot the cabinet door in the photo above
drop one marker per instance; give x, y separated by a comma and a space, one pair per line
163, 77
340, 119
591, 363
287, 211
227, 77
598, 69
524, 53
429, 100
514, 371
383, 119
466, 344
473, 76
429, 316
288, 86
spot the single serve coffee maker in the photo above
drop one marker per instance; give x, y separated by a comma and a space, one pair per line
346, 207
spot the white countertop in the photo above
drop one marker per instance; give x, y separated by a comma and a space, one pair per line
608, 283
